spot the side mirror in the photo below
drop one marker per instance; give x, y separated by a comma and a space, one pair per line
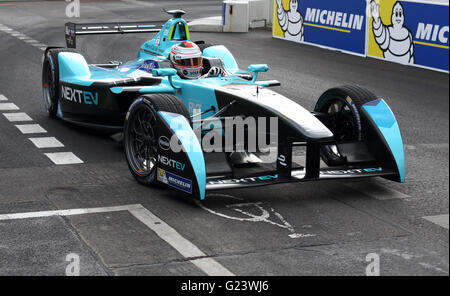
256, 69
169, 72
164, 72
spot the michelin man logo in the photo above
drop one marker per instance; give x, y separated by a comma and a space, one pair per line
291, 21
396, 40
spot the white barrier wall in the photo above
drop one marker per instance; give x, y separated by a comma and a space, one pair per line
235, 15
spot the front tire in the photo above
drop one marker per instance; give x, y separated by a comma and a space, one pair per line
140, 133
343, 106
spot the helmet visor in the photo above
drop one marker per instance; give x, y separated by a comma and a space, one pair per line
189, 62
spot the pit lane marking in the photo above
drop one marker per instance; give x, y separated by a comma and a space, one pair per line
8, 106
18, 116
441, 220
30, 128
46, 142
187, 249
23, 37
59, 158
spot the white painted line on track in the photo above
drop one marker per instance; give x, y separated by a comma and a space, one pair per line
163, 230
30, 128
179, 243
441, 220
139, 2
170, 235
3, 98
376, 191
31, 41
19, 116
8, 106
70, 212
211, 267
46, 142
61, 158
23, 37
39, 45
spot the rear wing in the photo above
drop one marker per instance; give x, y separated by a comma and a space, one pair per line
73, 30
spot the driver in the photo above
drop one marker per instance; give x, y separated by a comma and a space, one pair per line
186, 57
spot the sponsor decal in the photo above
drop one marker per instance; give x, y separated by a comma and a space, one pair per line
282, 160
335, 19
409, 32
330, 23
79, 96
171, 163
149, 65
358, 117
194, 106
70, 31
352, 171
174, 181
70, 35
245, 180
164, 143
192, 72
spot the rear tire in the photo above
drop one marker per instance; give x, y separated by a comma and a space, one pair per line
50, 79
344, 105
140, 133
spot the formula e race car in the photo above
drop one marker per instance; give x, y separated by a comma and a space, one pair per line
167, 121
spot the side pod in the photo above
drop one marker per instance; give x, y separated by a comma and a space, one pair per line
73, 69
385, 129
180, 162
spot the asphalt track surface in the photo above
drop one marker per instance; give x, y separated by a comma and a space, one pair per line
325, 228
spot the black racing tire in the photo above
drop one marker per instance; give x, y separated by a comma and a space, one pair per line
345, 123
140, 140
50, 79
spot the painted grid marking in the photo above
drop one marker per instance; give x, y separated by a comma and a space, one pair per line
187, 249
61, 158
376, 191
46, 142
8, 106
58, 158
441, 220
23, 37
19, 116
30, 128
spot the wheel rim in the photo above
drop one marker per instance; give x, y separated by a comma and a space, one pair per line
141, 144
49, 86
343, 124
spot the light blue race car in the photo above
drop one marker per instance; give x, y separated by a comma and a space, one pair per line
193, 127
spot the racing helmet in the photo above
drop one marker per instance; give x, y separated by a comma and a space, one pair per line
186, 57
